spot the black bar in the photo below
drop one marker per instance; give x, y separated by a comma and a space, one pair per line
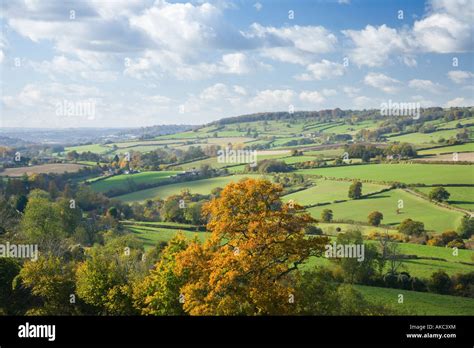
241, 330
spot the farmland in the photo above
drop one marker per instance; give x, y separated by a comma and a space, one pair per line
327, 191
434, 217
119, 181
419, 303
429, 174
42, 168
203, 187
160, 191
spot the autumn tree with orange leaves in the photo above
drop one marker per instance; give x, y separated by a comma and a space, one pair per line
249, 264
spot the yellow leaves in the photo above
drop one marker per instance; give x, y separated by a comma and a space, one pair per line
247, 265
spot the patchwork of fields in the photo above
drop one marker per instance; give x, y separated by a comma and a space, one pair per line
203, 187
428, 174
327, 188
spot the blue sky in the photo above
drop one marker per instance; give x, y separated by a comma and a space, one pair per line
144, 62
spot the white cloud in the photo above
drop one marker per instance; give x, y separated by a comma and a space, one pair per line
374, 45
61, 65
447, 27
425, 85
322, 70
460, 76
363, 102
312, 97
258, 6
292, 44
424, 103
215, 92
351, 91
271, 99
329, 92
459, 101
382, 82
181, 28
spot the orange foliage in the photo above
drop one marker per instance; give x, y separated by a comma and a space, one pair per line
248, 266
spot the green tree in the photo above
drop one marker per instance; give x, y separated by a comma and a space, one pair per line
105, 280
355, 190
42, 223
159, 292
375, 218
439, 194
440, 282
113, 212
411, 227
193, 213
466, 228
356, 269
53, 189
70, 214
9, 269
52, 281
326, 215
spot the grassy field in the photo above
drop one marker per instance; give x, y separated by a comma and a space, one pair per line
419, 303
407, 173
128, 180
462, 197
448, 149
151, 236
330, 228
434, 217
199, 186
426, 138
95, 148
328, 153
57, 168
327, 191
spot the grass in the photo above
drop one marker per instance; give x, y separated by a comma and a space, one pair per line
419, 303
151, 236
448, 149
57, 168
462, 197
327, 191
407, 173
203, 186
426, 138
95, 148
331, 153
434, 217
129, 180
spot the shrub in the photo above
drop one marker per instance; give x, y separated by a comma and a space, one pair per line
459, 243
440, 282
375, 218
313, 230
411, 227
417, 284
439, 194
326, 215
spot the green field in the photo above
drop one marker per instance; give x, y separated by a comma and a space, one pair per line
468, 147
129, 180
151, 236
428, 174
434, 217
327, 191
328, 153
95, 148
462, 197
426, 138
198, 186
419, 303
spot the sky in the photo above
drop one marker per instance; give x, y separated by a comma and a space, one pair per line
133, 63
